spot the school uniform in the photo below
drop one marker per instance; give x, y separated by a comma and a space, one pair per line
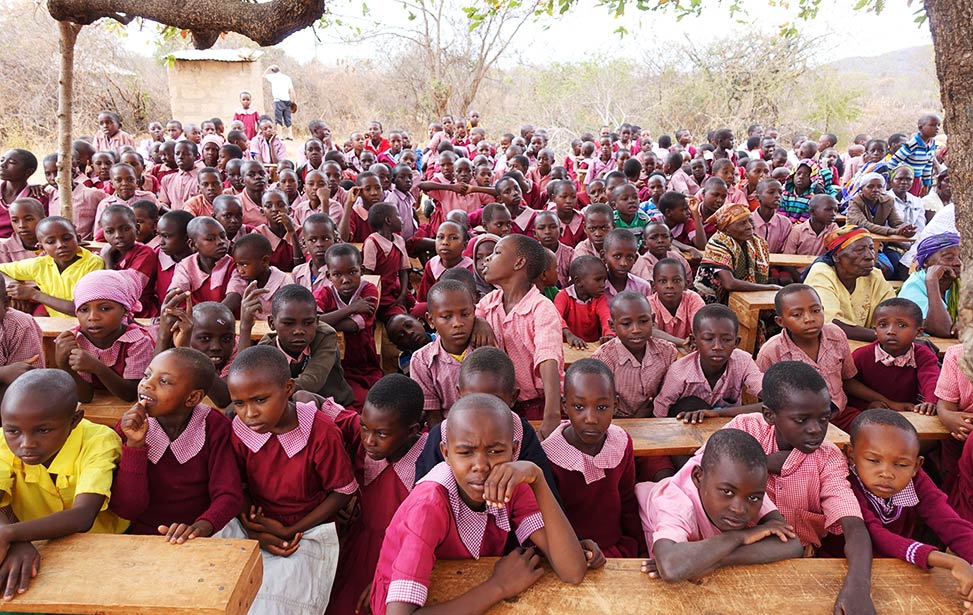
252, 216
128, 356
266, 152
585, 248
434, 269
679, 324
178, 188
84, 203
564, 255
114, 199
361, 364
434, 523
250, 118
85, 464
530, 334
604, 483
358, 227
143, 260
383, 486
276, 280
523, 224
633, 283
387, 258
685, 378
683, 182
302, 275
803, 240
318, 368
834, 362
437, 372
192, 478
198, 206
644, 266
242, 232
12, 250
587, 319
58, 284
447, 201
164, 274
636, 226
671, 509
910, 378
405, 203
282, 256
288, 475
775, 232
957, 457
812, 490
636, 381
572, 233
20, 338
104, 143
300, 211
203, 286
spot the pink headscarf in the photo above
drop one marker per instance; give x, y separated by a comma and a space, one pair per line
123, 287
210, 139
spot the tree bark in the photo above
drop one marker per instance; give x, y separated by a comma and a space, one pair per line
266, 23
65, 109
950, 23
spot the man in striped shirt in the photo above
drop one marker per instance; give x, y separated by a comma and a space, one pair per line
919, 153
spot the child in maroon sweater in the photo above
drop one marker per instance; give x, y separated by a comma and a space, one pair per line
177, 475
902, 373
895, 494
384, 254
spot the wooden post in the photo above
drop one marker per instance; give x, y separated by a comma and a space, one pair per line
65, 108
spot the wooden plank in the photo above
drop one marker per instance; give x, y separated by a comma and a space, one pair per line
105, 408
805, 586
576, 354
791, 260
143, 575
929, 427
747, 306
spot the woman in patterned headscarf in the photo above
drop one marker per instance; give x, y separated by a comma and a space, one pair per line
734, 259
848, 283
934, 286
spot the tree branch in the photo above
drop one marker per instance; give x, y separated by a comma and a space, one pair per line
266, 23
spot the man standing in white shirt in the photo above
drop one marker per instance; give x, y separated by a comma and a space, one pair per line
282, 89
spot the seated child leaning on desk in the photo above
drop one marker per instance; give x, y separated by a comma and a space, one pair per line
714, 512
435, 520
55, 472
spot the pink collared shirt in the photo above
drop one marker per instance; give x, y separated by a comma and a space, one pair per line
803, 240
303, 276
812, 490
679, 324
683, 182
252, 216
906, 360
189, 276
264, 229
302, 209
12, 249
277, 279
834, 362
20, 338
404, 468
405, 202
267, 153
178, 187
645, 265
953, 385
634, 283
686, 379
114, 199
371, 249
586, 249
84, 203
562, 454
775, 232
530, 334
437, 372
139, 345
105, 143
636, 381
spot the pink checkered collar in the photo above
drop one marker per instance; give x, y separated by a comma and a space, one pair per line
385, 245
470, 524
437, 268
518, 432
293, 442
404, 467
358, 319
906, 360
186, 445
523, 219
561, 453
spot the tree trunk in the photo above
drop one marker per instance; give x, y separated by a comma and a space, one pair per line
65, 109
950, 23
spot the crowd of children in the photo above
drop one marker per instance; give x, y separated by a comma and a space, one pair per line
482, 262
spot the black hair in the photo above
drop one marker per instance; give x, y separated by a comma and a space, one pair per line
589, 366
233, 151
55, 220
494, 361
752, 163
582, 264
378, 213
181, 217
214, 307
55, 387
789, 290
200, 366
714, 311
449, 286
28, 158
462, 275
196, 224
256, 242
906, 305
620, 235
363, 176
125, 210
490, 210
265, 363
671, 200
881, 416
667, 262
340, 250
212, 170
191, 144
598, 208
122, 165
665, 142
733, 445
34, 204
615, 175
290, 293
714, 181
632, 168
233, 135
786, 377
319, 218
148, 207
481, 404
753, 142
532, 252
399, 394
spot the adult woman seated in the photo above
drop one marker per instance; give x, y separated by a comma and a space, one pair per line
848, 283
934, 286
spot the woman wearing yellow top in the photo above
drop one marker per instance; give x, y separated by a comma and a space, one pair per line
56, 272
848, 283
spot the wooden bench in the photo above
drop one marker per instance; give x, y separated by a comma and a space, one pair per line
747, 307
143, 575
805, 586
801, 261
929, 427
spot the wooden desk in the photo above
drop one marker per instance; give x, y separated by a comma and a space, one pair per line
805, 586
747, 306
943, 343
801, 261
105, 408
929, 427
143, 575
576, 354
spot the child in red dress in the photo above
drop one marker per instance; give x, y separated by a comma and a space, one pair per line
594, 463
384, 453
279, 231
450, 243
298, 477
124, 252
353, 226
457, 512
384, 254
564, 197
349, 305
173, 248
177, 475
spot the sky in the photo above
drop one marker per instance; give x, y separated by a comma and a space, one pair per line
588, 31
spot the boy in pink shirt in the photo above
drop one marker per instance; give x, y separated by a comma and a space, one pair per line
657, 241
808, 237
773, 227
672, 304
266, 146
251, 259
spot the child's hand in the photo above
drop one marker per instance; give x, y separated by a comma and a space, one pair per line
605, 339
462, 188
774, 527
504, 478
963, 573
20, 368
574, 341
517, 571
927, 408
135, 425
592, 554
251, 307
364, 305
898, 406
650, 568
64, 344
958, 424
695, 254
21, 564
362, 606
22, 291
352, 196
178, 533
83, 361
323, 193
263, 523
350, 513
483, 334
274, 545
696, 417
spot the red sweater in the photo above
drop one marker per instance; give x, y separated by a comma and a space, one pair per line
903, 384
588, 320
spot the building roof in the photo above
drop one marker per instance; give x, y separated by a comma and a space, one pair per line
217, 55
